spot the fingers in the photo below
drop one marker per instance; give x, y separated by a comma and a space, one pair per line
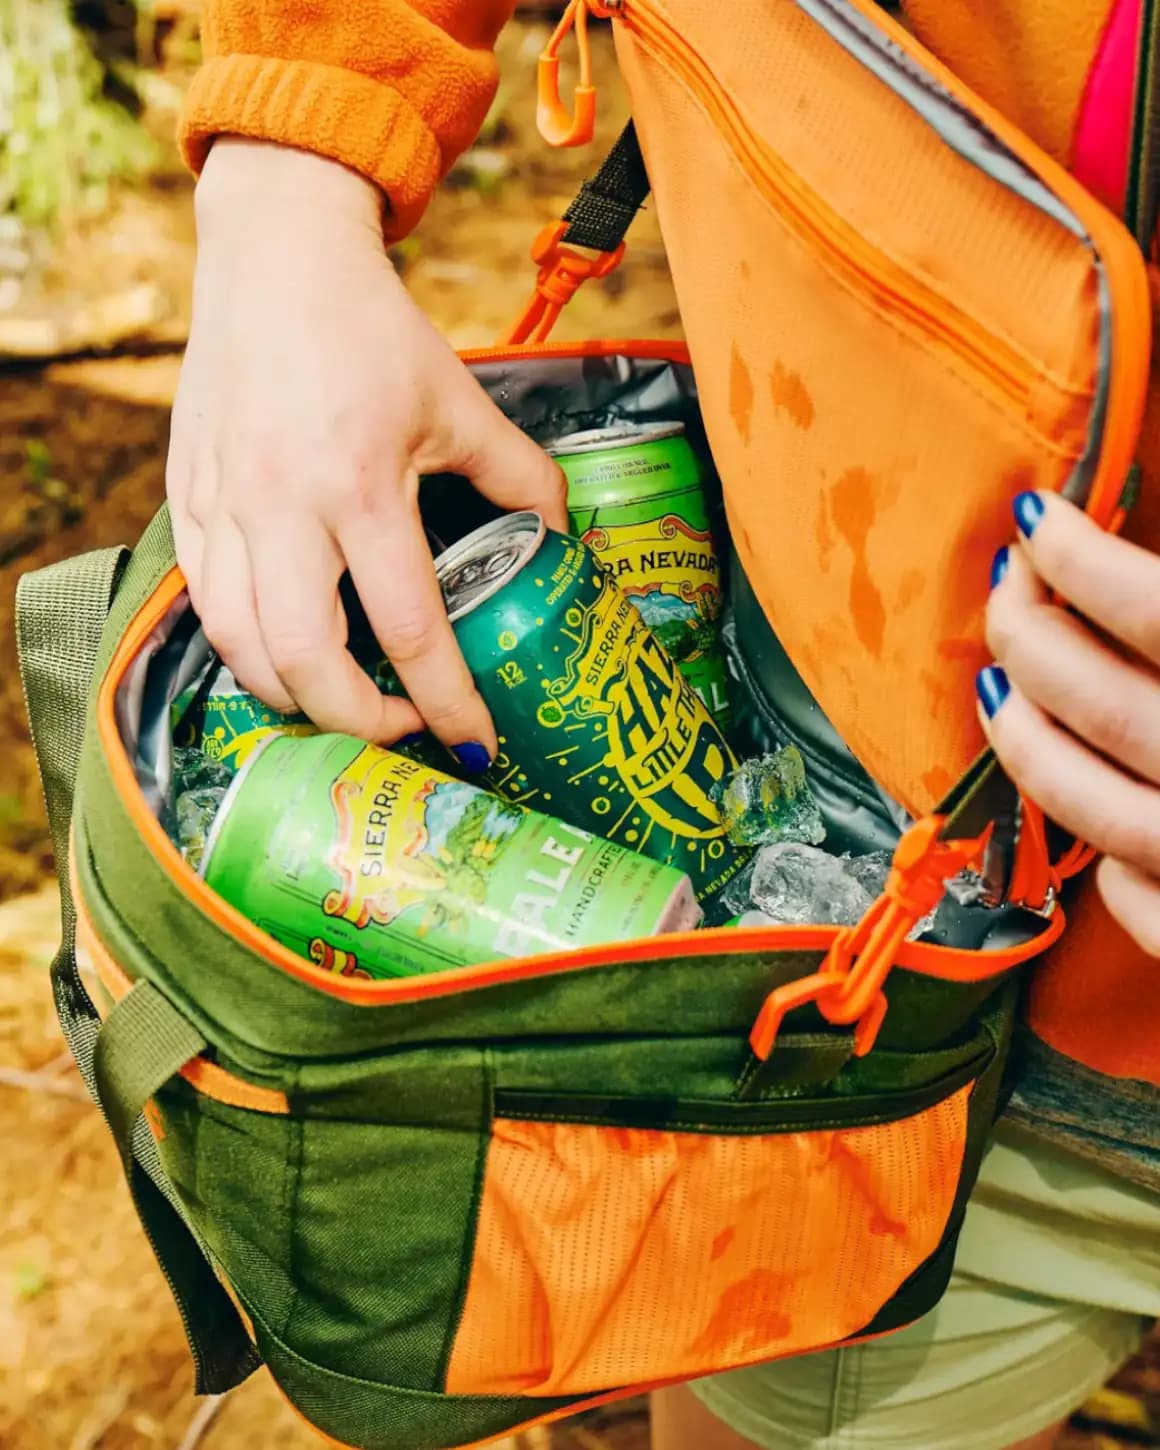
394, 575
502, 462
1134, 900
1062, 667
1074, 786
224, 599
296, 567
1113, 583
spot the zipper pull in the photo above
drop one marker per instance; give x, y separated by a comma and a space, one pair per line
555, 123
847, 987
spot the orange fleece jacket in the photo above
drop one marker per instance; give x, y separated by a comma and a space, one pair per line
395, 89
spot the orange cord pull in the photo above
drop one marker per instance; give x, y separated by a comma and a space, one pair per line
848, 986
562, 270
555, 123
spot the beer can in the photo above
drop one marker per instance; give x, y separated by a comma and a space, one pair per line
636, 496
373, 865
226, 722
596, 724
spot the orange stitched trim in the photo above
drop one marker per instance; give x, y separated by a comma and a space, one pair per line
206, 1077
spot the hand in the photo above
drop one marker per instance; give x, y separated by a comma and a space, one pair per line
313, 395
1072, 707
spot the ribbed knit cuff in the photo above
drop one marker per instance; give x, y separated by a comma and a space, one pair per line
320, 108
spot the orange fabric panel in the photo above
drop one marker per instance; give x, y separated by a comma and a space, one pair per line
1094, 996
613, 1256
879, 375
1029, 58
395, 89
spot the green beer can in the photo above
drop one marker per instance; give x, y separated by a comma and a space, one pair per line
370, 864
636, 497
596, 724
226, 722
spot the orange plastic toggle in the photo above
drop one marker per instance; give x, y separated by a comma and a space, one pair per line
558, 125
562, 270
848, 988
782, 1001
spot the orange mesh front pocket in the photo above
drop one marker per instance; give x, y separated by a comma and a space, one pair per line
615, 1256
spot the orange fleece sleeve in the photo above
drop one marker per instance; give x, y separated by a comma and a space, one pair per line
395, 89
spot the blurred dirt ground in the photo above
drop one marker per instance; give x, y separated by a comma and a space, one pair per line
91, 1350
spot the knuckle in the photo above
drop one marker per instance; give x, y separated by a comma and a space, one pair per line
454, 719
294, 651
1000, 631
222, 628
1113, 728
1147, 607
410, 637
1135, 841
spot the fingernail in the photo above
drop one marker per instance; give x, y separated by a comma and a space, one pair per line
472, 756
412, 739
999, 566
992, 687
1029, 509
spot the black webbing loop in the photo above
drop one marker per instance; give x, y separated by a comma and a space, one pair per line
603, 211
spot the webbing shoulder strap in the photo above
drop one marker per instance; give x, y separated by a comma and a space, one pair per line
604, 209
60, 615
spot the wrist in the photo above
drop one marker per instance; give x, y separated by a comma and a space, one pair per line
249, 184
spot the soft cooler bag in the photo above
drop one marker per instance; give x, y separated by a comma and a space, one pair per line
443, 1207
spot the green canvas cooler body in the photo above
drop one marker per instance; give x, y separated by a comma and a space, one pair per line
443, 1207
454, 1204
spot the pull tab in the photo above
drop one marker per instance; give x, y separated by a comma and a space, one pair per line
847, 988
555, 123
561, 272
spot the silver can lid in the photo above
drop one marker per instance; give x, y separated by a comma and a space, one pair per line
480, 564
614, 435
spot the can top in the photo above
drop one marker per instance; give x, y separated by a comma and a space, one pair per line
613, 435
228, 799
481, 563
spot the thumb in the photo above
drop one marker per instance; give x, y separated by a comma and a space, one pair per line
503, 463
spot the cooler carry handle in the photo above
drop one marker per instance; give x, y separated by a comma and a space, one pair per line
60, 616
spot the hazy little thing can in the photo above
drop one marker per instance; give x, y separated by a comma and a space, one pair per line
226, 722
636, 496
596, 724
371, 864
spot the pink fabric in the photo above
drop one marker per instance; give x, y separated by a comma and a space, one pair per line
1103, 133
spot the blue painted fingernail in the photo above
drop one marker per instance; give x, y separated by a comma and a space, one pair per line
412, 739
992, 687
1029, 508
999, 566
472, 756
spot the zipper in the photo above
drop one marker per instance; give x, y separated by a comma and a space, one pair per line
1143, 192
887, 285
927, 959
788, 1114
912, 303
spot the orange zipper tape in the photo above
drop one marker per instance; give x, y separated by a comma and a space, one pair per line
849, 251
944, 963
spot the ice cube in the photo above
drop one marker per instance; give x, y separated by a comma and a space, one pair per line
871, 871
768, 799
194, 770
194, 812
796, 883
966, 888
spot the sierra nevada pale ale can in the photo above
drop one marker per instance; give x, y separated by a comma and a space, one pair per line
636, 497
374, 865
595, 722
